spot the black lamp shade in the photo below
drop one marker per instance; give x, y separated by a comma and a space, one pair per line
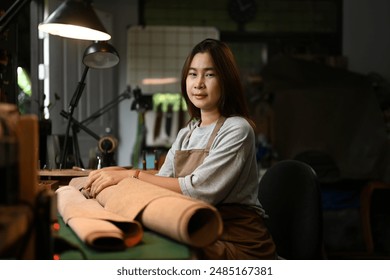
100, 55
75, 19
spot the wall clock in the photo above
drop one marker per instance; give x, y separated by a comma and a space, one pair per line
242, 11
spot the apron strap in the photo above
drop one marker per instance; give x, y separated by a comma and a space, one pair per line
218, 125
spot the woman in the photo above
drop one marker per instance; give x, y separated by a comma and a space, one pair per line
213, 157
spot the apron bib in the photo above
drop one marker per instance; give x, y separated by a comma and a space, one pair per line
187, 161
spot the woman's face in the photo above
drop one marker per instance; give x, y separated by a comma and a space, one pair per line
202, 83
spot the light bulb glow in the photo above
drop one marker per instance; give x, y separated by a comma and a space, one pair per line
74, 31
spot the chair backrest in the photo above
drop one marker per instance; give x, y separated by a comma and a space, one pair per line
291, 198
323, 164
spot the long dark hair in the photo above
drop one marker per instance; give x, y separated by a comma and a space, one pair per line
232, 102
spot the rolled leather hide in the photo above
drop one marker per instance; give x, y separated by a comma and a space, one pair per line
179, 217
174, 215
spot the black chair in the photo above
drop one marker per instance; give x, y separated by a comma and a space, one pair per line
291, 198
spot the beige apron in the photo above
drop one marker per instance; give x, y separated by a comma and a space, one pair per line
245, 235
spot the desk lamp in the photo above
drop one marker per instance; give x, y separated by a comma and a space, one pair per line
99, 55
77, 19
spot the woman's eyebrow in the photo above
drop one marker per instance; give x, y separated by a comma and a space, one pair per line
205, 68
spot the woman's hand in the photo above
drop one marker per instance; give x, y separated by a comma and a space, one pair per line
105, 177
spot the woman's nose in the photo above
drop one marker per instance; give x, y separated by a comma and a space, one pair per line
199, 83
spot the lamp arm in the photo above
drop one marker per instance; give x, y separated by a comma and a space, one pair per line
72, 105
78, 92
11, 13
107, 107
80, 125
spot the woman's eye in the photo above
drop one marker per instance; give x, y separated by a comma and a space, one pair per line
192, 74
210, 75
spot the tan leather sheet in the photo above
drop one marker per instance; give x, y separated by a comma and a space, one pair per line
179, 217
